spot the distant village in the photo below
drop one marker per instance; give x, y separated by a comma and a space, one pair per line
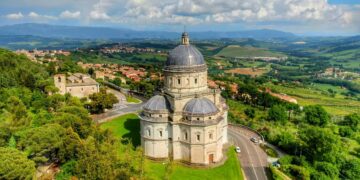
337, 73
40, 56
119, 48
112, 71
261, 58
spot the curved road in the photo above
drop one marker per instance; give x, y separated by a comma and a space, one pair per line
119, 109
253, 159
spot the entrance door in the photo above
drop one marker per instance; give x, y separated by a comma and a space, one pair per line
211, 158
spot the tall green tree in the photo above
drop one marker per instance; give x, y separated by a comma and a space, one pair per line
250, 112
351, 169
42, 143
277, 113
15, 165
316, 115
352, 120
320, 144
101, 101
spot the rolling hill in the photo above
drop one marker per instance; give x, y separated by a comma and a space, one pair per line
246, 51
83, 32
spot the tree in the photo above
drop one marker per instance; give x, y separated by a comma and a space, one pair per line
82, 126
320, 144
328, 169
15, 165
345, 131
352, 120
43, 143
101, 101
291, 107
250, 112
351, 169
316, 115
12, 142
277, 113
18, 112
97, 161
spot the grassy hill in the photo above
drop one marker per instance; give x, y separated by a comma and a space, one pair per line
246, 51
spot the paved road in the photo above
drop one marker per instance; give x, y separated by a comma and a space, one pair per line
119, 109
253, 159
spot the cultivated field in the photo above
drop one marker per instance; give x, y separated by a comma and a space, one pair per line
337, 105
253, 72
246, 51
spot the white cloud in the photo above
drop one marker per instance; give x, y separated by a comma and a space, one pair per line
34, 15
304, 14
38, 17
220, 11
70, 15
99, 11
15, 16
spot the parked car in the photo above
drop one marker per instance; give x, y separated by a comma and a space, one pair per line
254, 139
276, 164
237, 149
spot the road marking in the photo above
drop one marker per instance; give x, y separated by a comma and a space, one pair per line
257, 155
246, 149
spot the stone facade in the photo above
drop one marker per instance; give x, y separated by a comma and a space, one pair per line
188, 121
77, 84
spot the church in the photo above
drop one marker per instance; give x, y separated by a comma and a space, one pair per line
188, 121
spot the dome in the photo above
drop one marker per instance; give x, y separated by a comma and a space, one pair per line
157, 103
200, 106
185, 55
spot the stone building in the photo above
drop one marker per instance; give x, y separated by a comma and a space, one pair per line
77, 84
188, 121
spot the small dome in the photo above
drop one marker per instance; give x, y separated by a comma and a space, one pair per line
157, 103
200, 106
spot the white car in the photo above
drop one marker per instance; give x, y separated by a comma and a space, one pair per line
255, 140
237, 149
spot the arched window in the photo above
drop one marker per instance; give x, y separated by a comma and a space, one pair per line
195, 80
211, 135
59, 79
179, 81
186, 136
160, 132
198, 137
148, 132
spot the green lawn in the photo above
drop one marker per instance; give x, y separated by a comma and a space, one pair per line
131, 99
128, 126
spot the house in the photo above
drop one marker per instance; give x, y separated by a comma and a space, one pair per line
77, 84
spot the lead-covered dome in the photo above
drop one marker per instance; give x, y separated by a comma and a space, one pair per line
200, 107
184, 55
157, 103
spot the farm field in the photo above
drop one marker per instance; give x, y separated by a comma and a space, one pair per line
128, 126
337, 105
246, 51
253, 72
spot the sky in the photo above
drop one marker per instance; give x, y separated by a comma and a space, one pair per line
303, 17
